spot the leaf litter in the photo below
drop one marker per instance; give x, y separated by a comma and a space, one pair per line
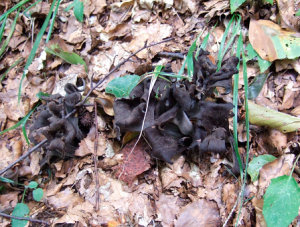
177, 189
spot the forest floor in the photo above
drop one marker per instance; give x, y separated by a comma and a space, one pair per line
86, 188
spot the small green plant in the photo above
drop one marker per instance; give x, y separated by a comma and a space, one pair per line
21, 209
282, 194
69, 57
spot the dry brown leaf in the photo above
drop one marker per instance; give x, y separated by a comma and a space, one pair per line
87, 145
106, 101
64, 199
287, 10
7, 155
167, 209
200, 213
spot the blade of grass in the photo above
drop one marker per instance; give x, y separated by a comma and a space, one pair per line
245, 76
13, 9
35, 46
2, 28
9, 35
235, 108
236, 27
204, 42
21, 123
12, 66
52, 21
189, 59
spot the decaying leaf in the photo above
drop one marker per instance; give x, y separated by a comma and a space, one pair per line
135, 162
262, 116
271, 42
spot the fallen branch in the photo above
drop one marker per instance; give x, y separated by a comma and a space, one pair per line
24, 218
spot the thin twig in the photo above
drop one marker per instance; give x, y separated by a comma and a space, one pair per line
24, 218
118, 66
171, 55
24, 156
95, 161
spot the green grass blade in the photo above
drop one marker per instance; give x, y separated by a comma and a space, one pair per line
35, 47
13, 9
189, 60
204, 42
235, 103
52, 21
12, 66
236, 27
2, 28
9, 35
245, 77
21, 123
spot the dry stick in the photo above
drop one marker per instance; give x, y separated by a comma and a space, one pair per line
118, 66
23, 218
95, 160
31, 150
24, 156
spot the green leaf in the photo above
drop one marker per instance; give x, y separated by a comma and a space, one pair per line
78, 10
32, 184
281, 201
263, 64
234, 4
69, 57
256, 86
3, 179
38, 194
20, 210
262, 116
298, 13
35, 47
257, 163
122, 86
